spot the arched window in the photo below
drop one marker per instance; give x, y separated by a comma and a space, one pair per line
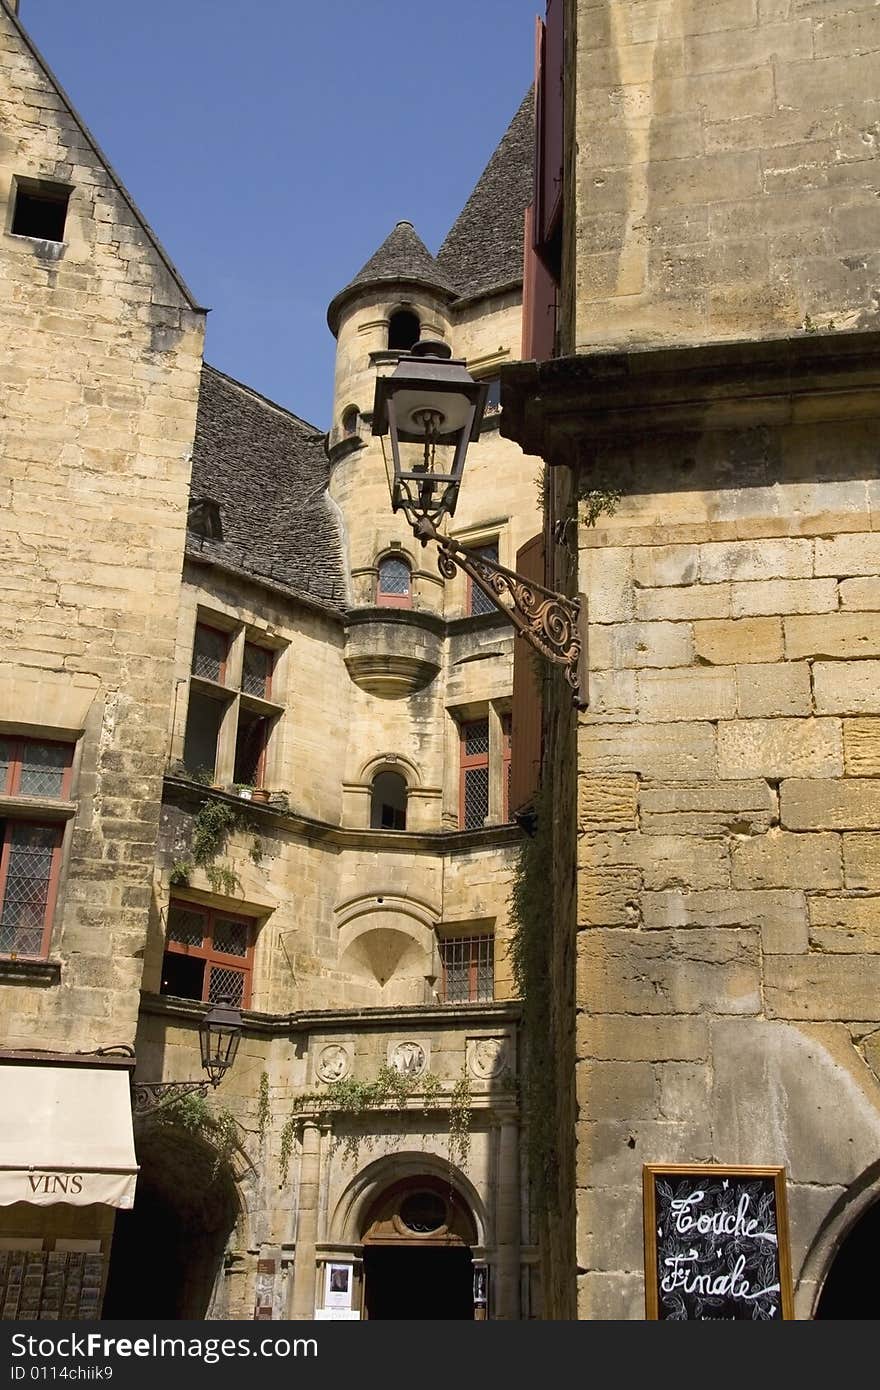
350, 419
404, 329
394, 584
388, 802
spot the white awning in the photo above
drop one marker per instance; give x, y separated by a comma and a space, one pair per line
66, 1136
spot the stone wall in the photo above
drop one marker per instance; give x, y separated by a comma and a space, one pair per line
724, 178
729, 799
99, 400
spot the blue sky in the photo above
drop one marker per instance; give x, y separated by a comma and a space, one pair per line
273, 144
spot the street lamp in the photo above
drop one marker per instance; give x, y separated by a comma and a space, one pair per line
431, 407
219, 1036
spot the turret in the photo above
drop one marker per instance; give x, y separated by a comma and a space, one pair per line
398, 296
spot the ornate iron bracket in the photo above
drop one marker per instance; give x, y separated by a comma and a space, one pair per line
147, 1096
555, 625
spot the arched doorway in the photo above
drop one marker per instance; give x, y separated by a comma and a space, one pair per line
168, 1250
418, 1260
851, 1291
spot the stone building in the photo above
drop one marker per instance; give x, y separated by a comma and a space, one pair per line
715, 252
254, 748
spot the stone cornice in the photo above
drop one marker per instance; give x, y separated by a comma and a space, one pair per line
182, 791
555, 408
324, 1021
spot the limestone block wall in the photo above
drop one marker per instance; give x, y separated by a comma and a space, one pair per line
714, 144
98, 398
729, 803
311, 1205
306, 738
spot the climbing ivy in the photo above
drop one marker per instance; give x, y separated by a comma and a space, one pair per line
218, 1127
212, 825
390, 1088
530, 954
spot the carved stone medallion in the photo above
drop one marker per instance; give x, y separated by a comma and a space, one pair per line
488, 1057
333, 1063
409, 1058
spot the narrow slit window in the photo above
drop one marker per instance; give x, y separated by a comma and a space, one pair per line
474, 791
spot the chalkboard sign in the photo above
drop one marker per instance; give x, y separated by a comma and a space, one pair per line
716, 1243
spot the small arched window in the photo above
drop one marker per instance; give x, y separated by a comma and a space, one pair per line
388, 802
394, 584
404, 329
350, 419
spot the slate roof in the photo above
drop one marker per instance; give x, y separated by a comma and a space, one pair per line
403, 256
484, 248
267, 472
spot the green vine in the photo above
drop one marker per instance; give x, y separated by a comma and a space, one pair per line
212, 825
219, 1128
598, 501
530, 954
460, 1113
263, 1111
390, 1088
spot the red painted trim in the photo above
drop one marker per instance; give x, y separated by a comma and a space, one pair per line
505, 765
468, 761
220, 632
384, 600
243, 965
13, 778
51, 886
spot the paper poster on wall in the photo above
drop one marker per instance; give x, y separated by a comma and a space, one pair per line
338, 1286
716, 1243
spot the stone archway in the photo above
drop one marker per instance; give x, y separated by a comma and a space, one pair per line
370, 1220
167, 1253
850, 1290
418, 1253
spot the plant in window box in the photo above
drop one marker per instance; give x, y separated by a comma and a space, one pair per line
261, 795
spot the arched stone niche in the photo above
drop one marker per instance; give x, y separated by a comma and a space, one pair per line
387, 949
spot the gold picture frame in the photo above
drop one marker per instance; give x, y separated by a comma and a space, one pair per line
693, 1228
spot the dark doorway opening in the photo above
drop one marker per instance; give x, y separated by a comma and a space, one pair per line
851, 1290
167, 1253
416, 1281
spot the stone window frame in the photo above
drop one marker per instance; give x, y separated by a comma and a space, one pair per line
473, 949
393, 600
50, 191
497, 715
396, 313
206, 950
234, 698
41, 811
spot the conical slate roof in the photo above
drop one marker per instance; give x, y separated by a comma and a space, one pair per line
402, 256
484, 249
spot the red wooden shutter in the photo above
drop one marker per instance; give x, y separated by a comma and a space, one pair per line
539, 302
525, 760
